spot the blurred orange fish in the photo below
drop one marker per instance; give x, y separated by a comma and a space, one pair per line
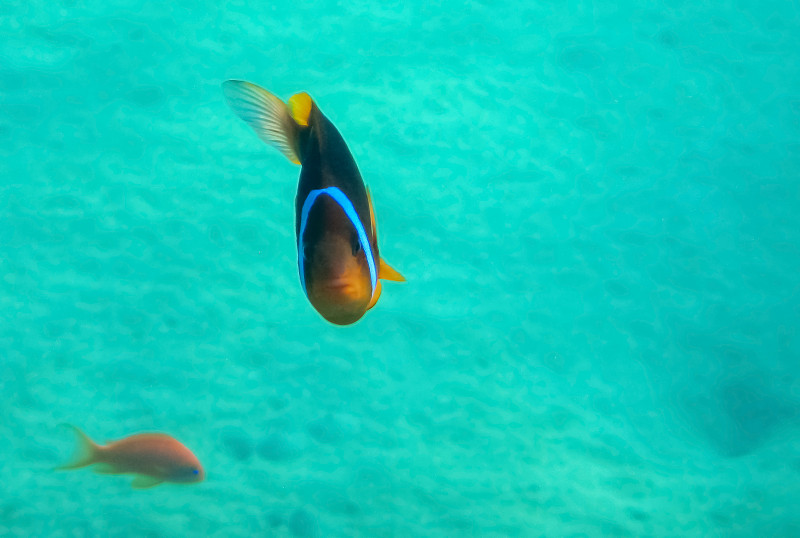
153, 457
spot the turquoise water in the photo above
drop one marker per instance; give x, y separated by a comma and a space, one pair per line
595, 206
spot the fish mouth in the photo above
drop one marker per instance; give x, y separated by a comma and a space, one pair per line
339, 300
340, 288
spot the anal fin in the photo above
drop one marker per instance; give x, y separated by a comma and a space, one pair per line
144, 481
106, 468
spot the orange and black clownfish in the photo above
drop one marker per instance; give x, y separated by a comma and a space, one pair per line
337, 244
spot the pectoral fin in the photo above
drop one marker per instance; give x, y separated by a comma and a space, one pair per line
144, 481
387, 272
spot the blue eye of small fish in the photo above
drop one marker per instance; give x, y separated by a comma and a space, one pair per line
195, 471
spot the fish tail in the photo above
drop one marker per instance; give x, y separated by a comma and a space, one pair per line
271, 119
86, 451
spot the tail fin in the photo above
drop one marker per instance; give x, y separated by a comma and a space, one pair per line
85, 451
267, 115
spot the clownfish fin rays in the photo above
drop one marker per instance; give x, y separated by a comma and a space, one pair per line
267, 115
85, 451
387, 272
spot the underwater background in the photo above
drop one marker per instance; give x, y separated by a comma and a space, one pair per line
596, 206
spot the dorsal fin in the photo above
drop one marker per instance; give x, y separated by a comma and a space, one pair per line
385, 271
372, 217
300, 106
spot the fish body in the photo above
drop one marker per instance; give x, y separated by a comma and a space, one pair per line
338, 259
153, 457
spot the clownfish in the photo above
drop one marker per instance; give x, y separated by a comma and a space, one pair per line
153, 457
337, 242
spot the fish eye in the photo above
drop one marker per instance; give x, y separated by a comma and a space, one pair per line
355, 244
195, 471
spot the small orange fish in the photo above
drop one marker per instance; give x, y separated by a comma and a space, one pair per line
153, 457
